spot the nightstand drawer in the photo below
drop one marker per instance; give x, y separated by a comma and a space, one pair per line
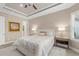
62, 42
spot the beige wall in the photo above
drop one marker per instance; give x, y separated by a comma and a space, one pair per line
10, 36
52, 20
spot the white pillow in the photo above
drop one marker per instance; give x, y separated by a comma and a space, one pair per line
50, 34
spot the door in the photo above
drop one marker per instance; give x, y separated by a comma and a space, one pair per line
2, 30
25, 28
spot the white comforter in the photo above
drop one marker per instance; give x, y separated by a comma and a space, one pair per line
34, 45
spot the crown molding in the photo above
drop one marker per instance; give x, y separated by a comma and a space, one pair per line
52, 10
10, 11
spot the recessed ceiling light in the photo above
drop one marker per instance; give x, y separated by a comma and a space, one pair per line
21, 5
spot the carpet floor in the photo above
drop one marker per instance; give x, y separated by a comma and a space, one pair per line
55, 51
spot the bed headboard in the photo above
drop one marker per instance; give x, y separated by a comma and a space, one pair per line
46, 33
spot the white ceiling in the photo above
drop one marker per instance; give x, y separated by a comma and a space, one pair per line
30, 13
29, 10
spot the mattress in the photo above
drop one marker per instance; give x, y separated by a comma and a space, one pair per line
35, 45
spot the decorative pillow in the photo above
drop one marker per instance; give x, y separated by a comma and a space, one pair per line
42, 33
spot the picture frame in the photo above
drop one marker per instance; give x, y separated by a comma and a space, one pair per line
14, 26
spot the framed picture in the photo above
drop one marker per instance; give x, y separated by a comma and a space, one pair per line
14, 26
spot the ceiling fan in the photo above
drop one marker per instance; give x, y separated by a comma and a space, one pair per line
29, 5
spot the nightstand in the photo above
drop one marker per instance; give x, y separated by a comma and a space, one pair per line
62, 42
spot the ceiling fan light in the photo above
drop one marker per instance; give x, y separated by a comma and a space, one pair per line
21, 5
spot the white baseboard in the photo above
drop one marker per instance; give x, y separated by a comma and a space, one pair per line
6, 44
74, 49
9, 42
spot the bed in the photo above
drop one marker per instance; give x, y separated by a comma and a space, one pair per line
34, 45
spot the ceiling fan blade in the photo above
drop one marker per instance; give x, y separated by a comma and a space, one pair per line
25, 6
34, 7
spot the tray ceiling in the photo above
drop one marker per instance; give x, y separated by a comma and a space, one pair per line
29, 10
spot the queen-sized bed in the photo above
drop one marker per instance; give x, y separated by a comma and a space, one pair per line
34, 45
